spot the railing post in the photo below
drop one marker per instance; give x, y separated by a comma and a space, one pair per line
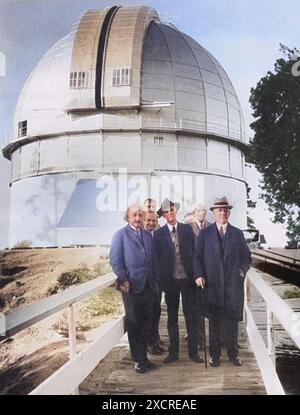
270, 335
2, 325
72, 335
247, 300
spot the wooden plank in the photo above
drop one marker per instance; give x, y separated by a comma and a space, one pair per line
272, 257
116, 375
65, 380
25, 317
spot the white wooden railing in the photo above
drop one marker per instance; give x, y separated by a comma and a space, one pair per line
66, 380
275, 307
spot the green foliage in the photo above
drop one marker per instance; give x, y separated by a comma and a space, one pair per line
106, 304
291, 294
102, 267
22, 244
73, 277
80, 275
275, 147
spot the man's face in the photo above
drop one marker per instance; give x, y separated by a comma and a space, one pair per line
135, 217
170, 215
200, 213
221, 215
150, 206
150, 221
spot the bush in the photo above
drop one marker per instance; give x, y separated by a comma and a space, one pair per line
291, 294
102, 267
107, 303
22, 244
76, 276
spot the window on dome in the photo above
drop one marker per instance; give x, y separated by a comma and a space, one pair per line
121, 77
78, 80
158, 140
22, 128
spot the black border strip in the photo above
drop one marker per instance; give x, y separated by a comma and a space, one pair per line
100, 56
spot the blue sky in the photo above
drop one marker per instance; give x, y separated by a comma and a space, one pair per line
244, 35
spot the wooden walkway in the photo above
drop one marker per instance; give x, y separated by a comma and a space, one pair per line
115, 375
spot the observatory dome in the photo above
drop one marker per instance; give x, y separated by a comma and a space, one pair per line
121, 90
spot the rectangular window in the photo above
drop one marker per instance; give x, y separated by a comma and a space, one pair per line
158, 140
22, 128
121, 77
78, 80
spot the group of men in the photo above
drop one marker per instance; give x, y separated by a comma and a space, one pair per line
204, 263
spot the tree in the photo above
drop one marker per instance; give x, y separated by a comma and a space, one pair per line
250, 205
275, 147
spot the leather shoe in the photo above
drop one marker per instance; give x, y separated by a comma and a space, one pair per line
214, 362
237, 361
196, 359
169, 359
140, 368
150, 365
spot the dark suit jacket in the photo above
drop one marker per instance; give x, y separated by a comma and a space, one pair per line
131, 260
224, 288
165, 253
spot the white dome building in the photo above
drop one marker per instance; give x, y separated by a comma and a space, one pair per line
122, 90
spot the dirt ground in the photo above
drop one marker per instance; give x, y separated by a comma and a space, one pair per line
31, 272
26, 277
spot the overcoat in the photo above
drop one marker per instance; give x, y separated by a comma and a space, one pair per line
223, 264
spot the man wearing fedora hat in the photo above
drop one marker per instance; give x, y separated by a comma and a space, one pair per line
174, 248
221, 261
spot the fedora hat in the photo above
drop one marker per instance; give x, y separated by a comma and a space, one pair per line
221, 202
166, 206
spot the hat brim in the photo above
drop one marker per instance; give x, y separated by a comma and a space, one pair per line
221, 206
160, 211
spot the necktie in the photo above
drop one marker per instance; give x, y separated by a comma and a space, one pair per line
139, 235
221, 232
173, 230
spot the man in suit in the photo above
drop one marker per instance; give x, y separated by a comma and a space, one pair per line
155, 344
174, 247
132, 260
196, 218
222, 259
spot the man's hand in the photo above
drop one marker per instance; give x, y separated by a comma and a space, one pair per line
200, 282
125, 287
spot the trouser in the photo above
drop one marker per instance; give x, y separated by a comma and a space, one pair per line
230, 328
138, 320
154, 338
172, 297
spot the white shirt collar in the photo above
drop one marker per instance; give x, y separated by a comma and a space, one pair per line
223, 226
200, 224
172, 226
135, 229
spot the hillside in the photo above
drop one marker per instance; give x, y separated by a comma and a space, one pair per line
28, 276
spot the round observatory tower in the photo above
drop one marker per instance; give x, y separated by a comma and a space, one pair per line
134, 102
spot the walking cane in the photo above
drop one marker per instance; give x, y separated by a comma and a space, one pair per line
204, 333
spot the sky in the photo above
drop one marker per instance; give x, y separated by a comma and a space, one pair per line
243, 35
